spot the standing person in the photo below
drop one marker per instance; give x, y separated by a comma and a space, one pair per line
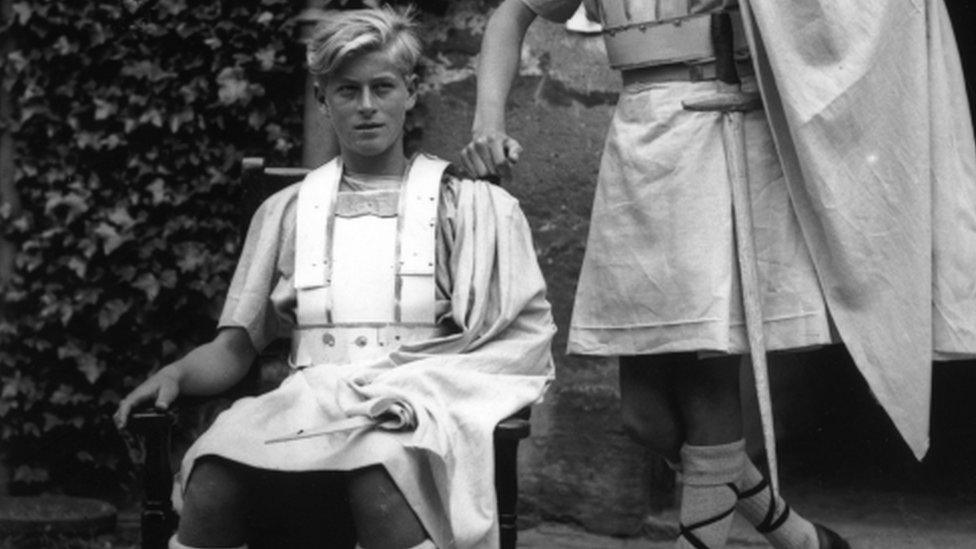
417, 314
848, 249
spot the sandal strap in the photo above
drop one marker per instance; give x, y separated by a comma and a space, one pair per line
759, 487
686, 530
765, 527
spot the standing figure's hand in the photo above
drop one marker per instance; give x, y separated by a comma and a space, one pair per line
491, 153
163, 387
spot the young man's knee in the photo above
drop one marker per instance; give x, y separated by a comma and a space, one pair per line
381, 512
216, 487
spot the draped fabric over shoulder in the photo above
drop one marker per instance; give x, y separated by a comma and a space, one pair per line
459, 386
870, 116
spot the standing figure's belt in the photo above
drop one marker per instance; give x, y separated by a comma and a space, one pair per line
633, 45
679, 72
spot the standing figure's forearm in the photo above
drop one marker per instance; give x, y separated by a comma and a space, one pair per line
498, 64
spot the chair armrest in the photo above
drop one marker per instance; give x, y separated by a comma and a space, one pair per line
514, 427
158, 520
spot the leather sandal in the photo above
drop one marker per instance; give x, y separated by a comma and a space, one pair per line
828, 539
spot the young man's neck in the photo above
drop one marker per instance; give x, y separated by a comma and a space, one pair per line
384, 164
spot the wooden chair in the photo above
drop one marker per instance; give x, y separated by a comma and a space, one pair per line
155, 427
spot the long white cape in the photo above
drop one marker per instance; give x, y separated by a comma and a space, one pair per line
868, 107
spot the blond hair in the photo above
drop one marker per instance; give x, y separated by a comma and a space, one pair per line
346, 34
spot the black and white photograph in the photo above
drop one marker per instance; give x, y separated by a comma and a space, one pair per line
487, 274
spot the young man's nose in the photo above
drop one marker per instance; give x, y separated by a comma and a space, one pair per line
367, 102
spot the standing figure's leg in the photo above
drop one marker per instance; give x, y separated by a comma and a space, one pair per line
717, 469
713, 455
214, 506
384, 519
649, 410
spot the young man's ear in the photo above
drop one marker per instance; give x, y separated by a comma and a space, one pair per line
320, 99
411, 81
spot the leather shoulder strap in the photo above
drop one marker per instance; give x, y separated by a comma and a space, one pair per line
417, 239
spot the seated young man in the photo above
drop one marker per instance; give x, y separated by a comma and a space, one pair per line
417, 315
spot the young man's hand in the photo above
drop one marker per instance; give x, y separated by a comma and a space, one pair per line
491, 153
162, 387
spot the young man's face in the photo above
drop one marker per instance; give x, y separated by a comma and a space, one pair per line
367, 100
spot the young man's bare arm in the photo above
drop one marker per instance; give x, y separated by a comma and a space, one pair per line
208, 369
492, 151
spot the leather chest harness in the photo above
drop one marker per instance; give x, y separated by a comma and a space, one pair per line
364, 265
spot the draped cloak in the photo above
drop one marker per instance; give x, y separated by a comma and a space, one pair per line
459, 386
869, 112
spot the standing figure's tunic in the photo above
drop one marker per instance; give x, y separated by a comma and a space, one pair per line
435, 374
876, 216
659, 274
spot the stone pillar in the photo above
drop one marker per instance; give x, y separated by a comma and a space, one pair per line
319, 144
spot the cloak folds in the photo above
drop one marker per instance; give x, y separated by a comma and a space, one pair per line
459, 386
869, 112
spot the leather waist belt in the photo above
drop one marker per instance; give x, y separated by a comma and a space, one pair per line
678, 72
683, 39
348, 343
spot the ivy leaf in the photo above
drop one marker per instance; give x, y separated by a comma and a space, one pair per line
111, 239
158, 190
266, 57
51, 421
73, 203
132, 5
191, 258
78, 265
121, 217
153, 116
146, 70
148, 284
111, 312
174, 7
104, 109
233, 88
23, 12
91, 367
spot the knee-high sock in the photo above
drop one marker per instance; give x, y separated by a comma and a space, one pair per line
708, 493
175, 544
783, 528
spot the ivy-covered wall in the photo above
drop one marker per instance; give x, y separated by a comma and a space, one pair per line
130, 120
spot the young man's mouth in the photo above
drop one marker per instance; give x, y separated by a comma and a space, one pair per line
368, 126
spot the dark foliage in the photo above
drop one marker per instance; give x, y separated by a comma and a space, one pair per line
131, 119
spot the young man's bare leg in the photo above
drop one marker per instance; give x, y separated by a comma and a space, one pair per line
214, 506
384, 519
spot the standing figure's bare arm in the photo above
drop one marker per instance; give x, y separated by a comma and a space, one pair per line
491, 150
